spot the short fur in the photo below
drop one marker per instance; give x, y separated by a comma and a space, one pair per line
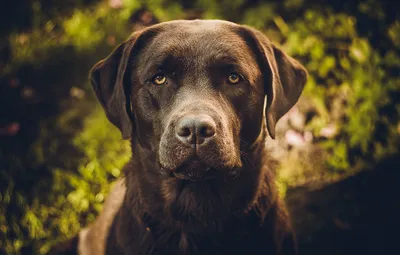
170, 205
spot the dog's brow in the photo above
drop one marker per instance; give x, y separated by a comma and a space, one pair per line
164, 62
232, 63
224, 59
226, 62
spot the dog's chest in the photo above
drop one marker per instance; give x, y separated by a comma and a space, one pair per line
156, 241
222, 243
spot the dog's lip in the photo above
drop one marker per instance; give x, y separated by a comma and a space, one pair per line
195, 170
193, 177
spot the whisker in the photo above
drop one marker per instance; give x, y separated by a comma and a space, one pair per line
247, 157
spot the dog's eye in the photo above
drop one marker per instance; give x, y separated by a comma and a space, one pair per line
234, 78
159, 79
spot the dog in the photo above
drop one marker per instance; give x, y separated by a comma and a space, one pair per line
197, 100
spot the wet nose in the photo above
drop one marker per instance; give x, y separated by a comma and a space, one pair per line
195, 129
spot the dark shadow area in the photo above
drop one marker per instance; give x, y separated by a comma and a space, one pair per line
32, 94
359, 215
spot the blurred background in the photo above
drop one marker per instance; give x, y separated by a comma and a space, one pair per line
339, 146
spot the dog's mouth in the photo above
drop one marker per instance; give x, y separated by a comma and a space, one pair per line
196, 170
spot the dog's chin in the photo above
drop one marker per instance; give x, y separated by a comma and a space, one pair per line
186, 188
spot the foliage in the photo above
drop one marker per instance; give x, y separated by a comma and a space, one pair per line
352, 82
73, 198
58, 182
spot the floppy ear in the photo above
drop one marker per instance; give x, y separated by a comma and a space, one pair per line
287, 78
110, 81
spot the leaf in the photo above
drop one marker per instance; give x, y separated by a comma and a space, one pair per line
360, 50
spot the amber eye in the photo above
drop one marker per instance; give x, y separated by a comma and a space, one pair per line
159, 79
234, 78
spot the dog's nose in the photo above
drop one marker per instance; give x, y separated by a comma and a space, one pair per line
195, 129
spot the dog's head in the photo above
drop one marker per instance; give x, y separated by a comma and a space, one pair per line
193, 92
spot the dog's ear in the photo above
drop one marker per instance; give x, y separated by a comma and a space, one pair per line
287, 77
109, 79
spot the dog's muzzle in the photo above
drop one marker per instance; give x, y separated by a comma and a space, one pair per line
195, 149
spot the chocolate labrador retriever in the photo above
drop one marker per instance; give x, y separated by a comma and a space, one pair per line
197, 100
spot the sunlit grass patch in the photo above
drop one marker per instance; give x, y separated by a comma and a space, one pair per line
78, 188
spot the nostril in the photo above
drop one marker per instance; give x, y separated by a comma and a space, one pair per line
207, 131
195, 129
184, 132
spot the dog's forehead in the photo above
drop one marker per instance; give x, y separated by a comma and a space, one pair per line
197, 40
198, 32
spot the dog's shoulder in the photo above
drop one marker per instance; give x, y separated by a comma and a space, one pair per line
93, 239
